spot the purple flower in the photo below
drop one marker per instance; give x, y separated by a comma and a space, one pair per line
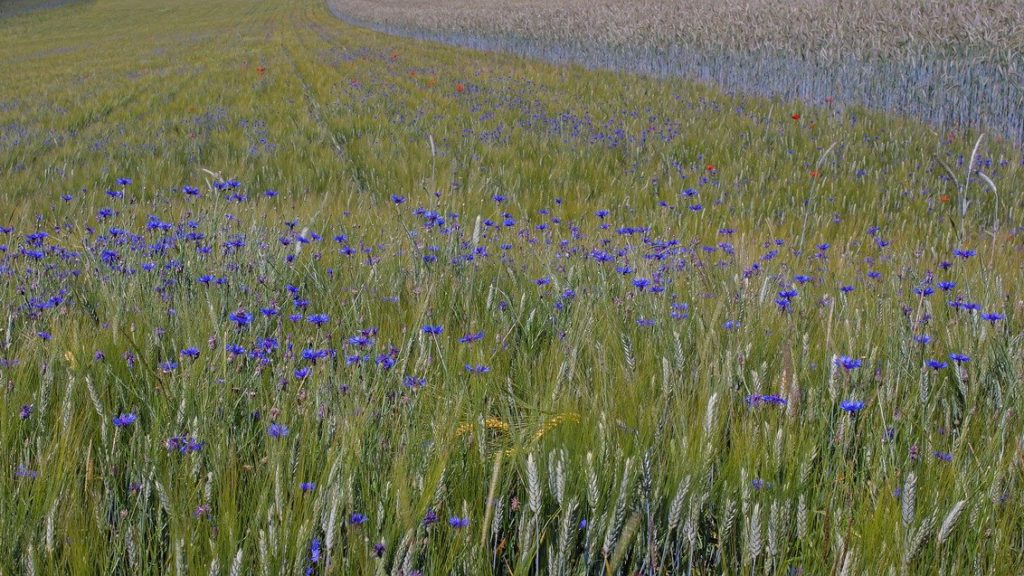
758, 399
992, 317
314, 551
430, 517
318, 320
458, 523
944, 456
852, 406
23, 472
183, 444
26, 412
847, 363
125, 419
241, 318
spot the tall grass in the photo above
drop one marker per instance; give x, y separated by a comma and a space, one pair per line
952, 64
667, 377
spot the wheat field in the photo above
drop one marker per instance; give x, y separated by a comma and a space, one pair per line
283, 295
947, 63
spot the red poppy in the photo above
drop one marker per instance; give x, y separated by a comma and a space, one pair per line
944, 198
710, 167
394, 56
261, 69
796, 116
460, 88
815, 174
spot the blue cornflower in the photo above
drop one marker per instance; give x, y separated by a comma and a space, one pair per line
361, 340
307, 486
458, 523
471, 337
318, 320
357, 519
946, 285
314, 551
641, 283
397, 199
302, 373
125, 419
847, 363
241, 318
959, 358
414, 382
944, 456
852, 406
190, 352
922, 339
124, 181
757, 399
992, 317
430, 517
277, 430
23, 472
935, 364
435, 330
965, 254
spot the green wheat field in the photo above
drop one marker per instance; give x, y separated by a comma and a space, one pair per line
282, 295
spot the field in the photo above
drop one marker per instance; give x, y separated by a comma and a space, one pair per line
283, 295
948, 63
